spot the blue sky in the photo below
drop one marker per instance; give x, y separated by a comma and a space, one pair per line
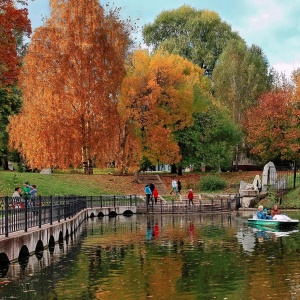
273, 25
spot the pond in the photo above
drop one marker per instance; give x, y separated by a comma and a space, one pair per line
211, 256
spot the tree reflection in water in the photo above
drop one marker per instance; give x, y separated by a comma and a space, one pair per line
163, 257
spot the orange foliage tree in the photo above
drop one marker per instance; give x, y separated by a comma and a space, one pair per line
70, 80
157, 99
14, 23
273, 126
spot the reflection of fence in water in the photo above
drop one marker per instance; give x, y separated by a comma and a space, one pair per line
20, 214
137, 223
37, 278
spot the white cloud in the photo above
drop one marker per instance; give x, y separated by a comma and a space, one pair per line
267, 14
273, 25
286, 68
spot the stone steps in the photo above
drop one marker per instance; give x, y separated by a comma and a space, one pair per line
155, 179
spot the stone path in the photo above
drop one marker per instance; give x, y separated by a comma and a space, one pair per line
154, 178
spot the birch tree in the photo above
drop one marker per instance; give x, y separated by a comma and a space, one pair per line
70, 80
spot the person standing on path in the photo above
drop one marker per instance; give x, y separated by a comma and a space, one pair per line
155, 195
174, 187
178, 186
148, 194
152, 187
191, 197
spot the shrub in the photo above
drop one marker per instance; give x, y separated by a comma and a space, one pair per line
212, 183
21, 168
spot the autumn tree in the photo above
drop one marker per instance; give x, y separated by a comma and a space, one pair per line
70, 80
158, 98
197, 35
14, 26
273, 126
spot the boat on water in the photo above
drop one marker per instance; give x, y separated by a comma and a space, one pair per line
279, 221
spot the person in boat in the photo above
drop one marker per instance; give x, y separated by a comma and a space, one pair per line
275, 211
261, 215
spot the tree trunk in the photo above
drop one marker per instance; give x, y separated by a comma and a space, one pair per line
5, 164
173, 169
136, 176
90, 167
179, 169
87, 163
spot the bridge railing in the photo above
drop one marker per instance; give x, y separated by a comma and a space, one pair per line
21, 214
220, 203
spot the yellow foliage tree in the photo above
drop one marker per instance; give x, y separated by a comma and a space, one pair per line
70, 81
157, 99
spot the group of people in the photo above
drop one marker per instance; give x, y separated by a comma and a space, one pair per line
263, 213
28, 193
151, 193
176, 186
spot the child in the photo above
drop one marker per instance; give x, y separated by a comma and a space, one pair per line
155, 195
191, 197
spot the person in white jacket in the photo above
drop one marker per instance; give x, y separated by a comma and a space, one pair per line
174, 187
17, 193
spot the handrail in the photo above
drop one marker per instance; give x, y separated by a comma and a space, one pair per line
21, 214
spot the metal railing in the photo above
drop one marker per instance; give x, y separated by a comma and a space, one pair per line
21, 214
211, 204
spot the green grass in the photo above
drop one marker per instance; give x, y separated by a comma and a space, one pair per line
74, 182
55, 184
291, 199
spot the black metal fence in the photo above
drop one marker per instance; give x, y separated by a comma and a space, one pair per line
205, 205
20, 214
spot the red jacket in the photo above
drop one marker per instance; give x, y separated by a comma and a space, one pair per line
155, 193
190, 195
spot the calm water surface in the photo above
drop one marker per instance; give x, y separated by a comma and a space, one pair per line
163, 257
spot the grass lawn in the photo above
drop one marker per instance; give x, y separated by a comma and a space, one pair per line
68, 184
104, 183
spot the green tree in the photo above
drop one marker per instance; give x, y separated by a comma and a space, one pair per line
210, 141
10, 104
240, 77
198, 35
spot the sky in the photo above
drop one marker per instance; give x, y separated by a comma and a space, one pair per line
273, 25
